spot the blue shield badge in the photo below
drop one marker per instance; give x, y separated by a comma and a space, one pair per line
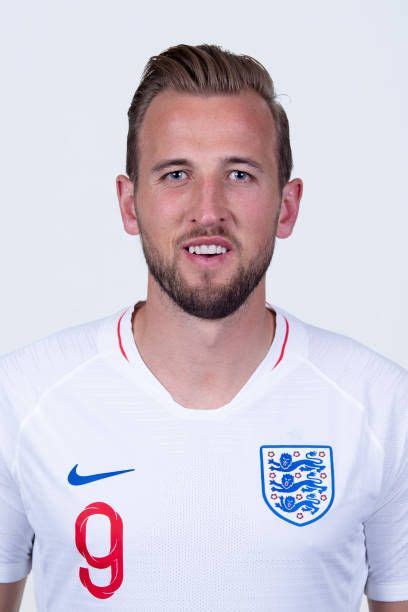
298, 481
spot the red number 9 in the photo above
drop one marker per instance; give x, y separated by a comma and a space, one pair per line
114, 559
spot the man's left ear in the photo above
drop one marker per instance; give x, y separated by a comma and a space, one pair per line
291, 196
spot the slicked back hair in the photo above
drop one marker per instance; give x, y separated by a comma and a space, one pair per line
206, 70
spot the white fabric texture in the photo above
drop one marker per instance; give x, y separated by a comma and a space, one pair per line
206, 514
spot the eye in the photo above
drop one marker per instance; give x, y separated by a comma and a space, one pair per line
174, 178
243, 175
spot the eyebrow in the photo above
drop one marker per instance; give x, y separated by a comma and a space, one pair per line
226, 160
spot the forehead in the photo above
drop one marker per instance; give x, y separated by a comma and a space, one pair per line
238, 123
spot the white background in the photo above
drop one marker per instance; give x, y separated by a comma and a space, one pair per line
69, 72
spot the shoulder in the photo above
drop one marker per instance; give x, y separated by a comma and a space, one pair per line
29, 371
352, 365
37, 365
374, 383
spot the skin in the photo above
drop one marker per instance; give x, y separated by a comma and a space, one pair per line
11, 595
384, 606
198, 324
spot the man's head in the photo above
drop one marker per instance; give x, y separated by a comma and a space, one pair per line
206, 70
208, 156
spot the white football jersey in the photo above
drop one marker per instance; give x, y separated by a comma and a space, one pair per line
293, 496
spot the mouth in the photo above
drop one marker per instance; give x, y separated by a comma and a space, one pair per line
207, 260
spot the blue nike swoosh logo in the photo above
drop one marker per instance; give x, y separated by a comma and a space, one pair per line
76, 479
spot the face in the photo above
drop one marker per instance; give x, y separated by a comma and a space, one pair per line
208, 169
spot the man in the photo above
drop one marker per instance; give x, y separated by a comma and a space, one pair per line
203, 449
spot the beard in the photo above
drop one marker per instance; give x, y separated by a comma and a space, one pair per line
208, 299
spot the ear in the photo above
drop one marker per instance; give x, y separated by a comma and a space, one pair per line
124, 189
291, 196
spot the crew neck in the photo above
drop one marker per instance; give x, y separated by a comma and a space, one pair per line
130, 361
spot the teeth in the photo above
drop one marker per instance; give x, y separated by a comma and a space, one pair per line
207, 249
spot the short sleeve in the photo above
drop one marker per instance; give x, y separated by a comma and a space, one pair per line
386, 530
16, 534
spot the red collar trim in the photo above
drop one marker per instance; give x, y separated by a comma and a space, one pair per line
283, 344
120, 337
122, 350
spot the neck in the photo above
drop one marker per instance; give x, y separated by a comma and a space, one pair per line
215, 357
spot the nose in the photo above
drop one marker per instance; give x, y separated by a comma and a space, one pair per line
209, 204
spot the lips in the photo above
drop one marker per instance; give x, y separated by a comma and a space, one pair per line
208, 261
217, 240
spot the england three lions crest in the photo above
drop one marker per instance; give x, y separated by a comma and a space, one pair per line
298, 481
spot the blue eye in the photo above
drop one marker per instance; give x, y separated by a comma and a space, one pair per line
241, 172
172, 173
